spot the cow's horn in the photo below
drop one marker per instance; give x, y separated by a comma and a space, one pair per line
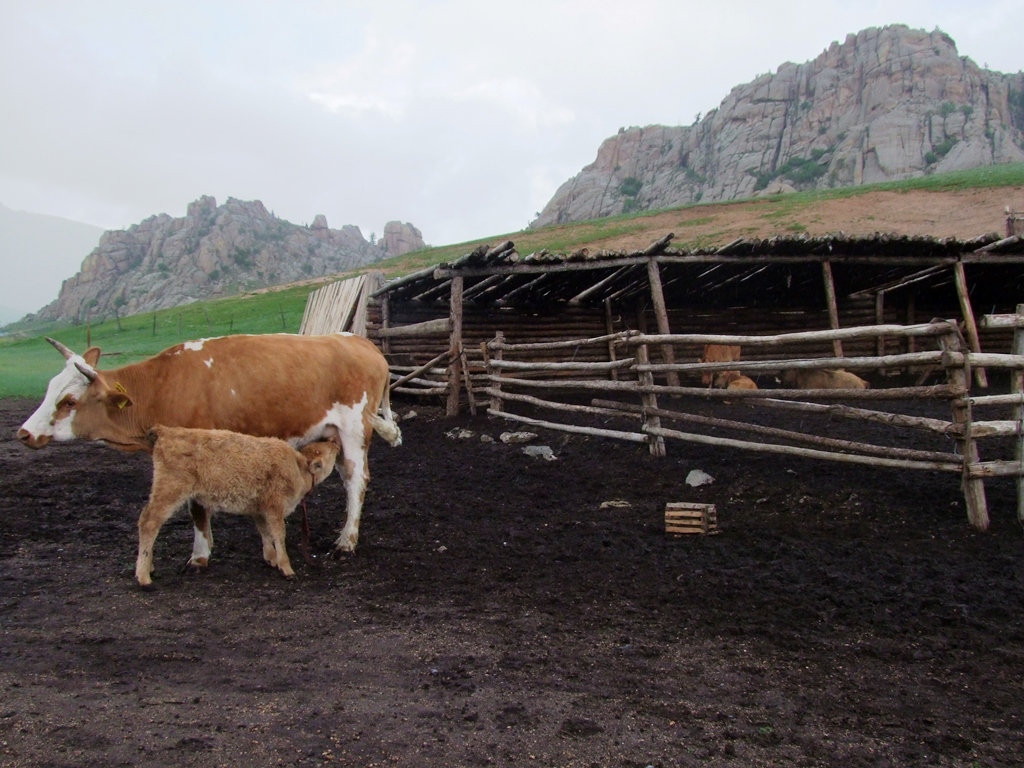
61, 348
86, 371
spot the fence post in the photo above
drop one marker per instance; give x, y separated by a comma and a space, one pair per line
970, 326
499, 339
650, 400
668, 354
958, 375
455, 344
609, 328
833, 308
1017, 388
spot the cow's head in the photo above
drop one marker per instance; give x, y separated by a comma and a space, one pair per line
76, 403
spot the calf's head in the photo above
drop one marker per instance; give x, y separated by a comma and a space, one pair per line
320, 458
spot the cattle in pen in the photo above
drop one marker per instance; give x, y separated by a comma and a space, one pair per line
717, 353
262, 477
821, 378
296, 388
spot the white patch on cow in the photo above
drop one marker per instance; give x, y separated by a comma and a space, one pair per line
208, 363
348, 419
343, 333
233, 393
44, 421
194, 346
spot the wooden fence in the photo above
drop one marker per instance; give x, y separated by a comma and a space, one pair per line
628, 387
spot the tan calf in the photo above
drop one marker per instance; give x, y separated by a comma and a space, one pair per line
258, 476
717, 353
733, 380
811, 378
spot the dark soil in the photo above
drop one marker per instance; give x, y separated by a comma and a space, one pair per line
496, 614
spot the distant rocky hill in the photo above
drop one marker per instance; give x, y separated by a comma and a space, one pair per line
889, 103
213, 251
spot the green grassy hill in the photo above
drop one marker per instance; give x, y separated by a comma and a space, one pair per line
27, 362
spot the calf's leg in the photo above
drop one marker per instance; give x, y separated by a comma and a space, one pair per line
269, 550
159, 509
274, 521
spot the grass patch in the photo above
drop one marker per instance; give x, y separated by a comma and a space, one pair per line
696, 222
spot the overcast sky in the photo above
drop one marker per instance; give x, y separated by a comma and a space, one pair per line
460, 116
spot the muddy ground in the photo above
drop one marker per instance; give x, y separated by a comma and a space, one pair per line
496, 614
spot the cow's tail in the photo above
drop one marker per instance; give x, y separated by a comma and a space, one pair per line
385, 424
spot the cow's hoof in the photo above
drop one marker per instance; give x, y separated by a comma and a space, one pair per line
150, 587
198, 562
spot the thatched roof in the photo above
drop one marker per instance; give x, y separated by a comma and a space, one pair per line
780, 271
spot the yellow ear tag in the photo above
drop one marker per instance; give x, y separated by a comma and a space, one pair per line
120, 388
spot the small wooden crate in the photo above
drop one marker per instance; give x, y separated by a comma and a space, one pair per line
684, 517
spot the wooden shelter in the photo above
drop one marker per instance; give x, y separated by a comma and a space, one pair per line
431, 323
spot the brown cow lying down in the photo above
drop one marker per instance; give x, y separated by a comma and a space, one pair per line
259, 476
733, 380
811, 378
717, 353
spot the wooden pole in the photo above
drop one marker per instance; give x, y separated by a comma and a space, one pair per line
385, 322
661, 315
911, 320
421, 370
455, 344
494, 374
469, 383
973, 488
880, 320
1017, 388
609, 329
650, 400
833, 309
968, 314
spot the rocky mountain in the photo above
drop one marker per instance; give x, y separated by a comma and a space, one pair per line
889, 103
213, 251
36, 251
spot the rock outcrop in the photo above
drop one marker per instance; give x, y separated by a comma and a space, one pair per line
886, 104
401, 238
213, 251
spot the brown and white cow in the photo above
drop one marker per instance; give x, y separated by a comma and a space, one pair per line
821, 378
297, 388
717, 353
262, 477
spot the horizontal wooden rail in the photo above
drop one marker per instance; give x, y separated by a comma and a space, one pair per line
938, 391
607, 386
633, 437
868, 449
601, 341
841, 334
983, 469
571, 407
810, 453
937, 426
944, 359
514, 365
